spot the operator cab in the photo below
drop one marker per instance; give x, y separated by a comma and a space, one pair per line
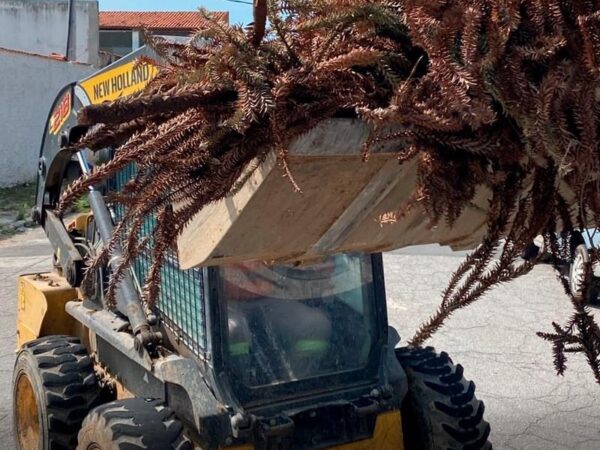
292, 332
292, 328
299, 349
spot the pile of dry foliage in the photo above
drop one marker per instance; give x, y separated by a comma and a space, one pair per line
497, 93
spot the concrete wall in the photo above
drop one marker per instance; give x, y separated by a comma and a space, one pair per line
40, 26
28, 86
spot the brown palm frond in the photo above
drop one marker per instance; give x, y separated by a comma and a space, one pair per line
502, 95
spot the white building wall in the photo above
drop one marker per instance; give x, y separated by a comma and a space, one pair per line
29, 86
41, 26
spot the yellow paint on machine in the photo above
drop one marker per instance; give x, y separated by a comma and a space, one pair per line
386, 436
41, 307
80, 223
119, 82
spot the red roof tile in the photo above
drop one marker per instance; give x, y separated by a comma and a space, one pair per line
157, 20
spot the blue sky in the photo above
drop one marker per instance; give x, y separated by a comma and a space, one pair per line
238, 12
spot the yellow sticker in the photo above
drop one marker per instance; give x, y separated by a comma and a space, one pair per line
118, 82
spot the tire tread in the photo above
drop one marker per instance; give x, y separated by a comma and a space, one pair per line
134, 424
68, 386
444, 401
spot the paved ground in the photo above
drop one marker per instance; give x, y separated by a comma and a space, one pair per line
528, 406
23, 253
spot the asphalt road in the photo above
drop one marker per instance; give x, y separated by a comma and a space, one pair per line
528, 406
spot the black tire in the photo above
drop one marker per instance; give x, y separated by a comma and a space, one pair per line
440, 410
132, 424
581, 277
54, 388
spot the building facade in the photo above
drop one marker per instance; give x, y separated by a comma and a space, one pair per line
121, 31
46, 44
62, 28
29, 85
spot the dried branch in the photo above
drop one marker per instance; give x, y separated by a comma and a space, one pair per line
487, 94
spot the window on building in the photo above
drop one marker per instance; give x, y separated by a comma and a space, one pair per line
116, 42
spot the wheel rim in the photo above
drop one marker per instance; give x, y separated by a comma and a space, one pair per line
26, 414
577, 275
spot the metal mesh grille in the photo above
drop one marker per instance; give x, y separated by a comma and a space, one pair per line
181, 300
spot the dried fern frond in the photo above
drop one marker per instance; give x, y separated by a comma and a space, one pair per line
494, 94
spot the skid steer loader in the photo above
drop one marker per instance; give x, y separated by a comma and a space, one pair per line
238, 356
